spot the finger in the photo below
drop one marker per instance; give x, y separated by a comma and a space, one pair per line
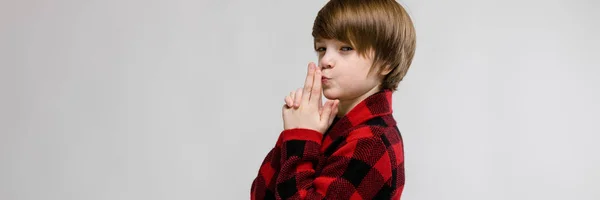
320, 111
298, 97
292, 96
321, 103
288, 101
315, 96
326, 112
321, 99
334, 111
308, 84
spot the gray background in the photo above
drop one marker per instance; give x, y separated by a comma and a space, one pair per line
131, 99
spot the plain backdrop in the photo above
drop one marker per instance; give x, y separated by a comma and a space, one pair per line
181, 99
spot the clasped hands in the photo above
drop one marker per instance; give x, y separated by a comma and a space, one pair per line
304, 109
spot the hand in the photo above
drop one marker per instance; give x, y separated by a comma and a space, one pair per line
293, 100
306, 110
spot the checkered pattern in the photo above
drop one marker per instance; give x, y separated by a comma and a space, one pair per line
361, 156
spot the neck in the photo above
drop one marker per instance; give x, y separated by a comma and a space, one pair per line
346, 105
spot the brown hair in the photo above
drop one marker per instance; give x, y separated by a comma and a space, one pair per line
380, 25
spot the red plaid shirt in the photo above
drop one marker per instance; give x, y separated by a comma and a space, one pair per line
361, 156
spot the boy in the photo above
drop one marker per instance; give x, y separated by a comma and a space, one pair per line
350, 147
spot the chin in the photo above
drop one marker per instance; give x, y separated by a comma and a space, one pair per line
331, 94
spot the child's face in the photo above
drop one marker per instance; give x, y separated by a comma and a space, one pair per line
346, 73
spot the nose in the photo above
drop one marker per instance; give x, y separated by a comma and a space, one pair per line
326, 61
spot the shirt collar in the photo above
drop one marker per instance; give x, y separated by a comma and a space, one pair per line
376, 105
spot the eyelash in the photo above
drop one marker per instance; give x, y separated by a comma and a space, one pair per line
320, 49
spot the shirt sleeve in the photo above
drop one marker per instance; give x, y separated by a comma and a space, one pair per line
359, 169
263, 186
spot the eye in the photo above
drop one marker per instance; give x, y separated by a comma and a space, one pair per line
320, 49
347, 49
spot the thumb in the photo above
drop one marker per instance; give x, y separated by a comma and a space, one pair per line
326, 114
334, 111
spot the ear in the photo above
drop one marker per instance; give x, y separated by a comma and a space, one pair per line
386, 70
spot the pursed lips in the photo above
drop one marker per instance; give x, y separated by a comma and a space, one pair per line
324, 79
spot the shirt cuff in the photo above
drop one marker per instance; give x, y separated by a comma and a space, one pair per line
301, 134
